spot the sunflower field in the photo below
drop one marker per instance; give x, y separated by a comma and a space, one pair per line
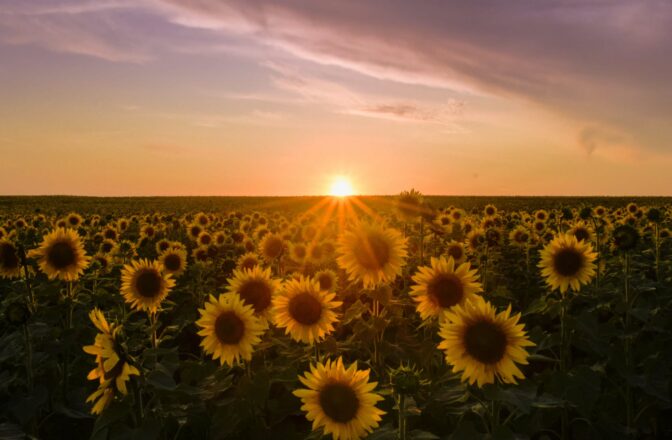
405, 317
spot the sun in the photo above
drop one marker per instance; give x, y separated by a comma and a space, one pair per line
341, 187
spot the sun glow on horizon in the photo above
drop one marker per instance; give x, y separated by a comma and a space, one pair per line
341, 187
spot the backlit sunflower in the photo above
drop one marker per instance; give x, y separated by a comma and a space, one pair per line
304, 311
340, 400
10, 265
61, 255
230, 330
174, 261
567, 262
247, 261
483, 344
372, 254
257, 288
328, 280
520, 236
112, 370
144, 284
582, 231
442, 285
271, 247
456, 250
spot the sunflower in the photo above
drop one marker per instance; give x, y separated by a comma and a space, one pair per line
271, 247
340, 400
74, 220
102, 263
582, 232
112, 368
230, 330
247, 261
10, 264
173, 261
108, 247
144, 285
442, 285
327, 279
298, 252
372, 254
520, 236
483, 344
256, 288
409, 204
475, 239
490, 210
566, 262
61, 255
456, 250
304, 311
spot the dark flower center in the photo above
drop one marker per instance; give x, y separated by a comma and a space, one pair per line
326, 282
339, 402
61, 255
273, 247
581, 234
372, 252
148, 283
256, 293
305, 308
8, 258
173, 262
446, 289
485, 342
229, 328
568, 262
300, 251
456, 252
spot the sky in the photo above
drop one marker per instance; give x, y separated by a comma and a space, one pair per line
262, 97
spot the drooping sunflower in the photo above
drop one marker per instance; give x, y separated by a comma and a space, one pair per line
61, 255
340, 400
567, 262
257, 288
173, 261
112, 367
10, 265
441, 285
304, 311
144, 284
371, 253
229, 328
484, 344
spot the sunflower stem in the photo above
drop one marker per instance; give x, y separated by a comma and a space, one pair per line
564, 345
422, 239
627, 342
401, 402
68, 326
152, 324
29, 357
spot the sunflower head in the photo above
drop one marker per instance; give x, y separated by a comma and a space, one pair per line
144, 284
271, 247
567, 262
625, 237
61, 255
10, 263
304, 311
256, 288
229, 328
442, 285
482, 344
340, 400
112, 369
173, 261
372, 254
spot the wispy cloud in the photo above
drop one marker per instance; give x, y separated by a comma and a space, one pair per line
603, 63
